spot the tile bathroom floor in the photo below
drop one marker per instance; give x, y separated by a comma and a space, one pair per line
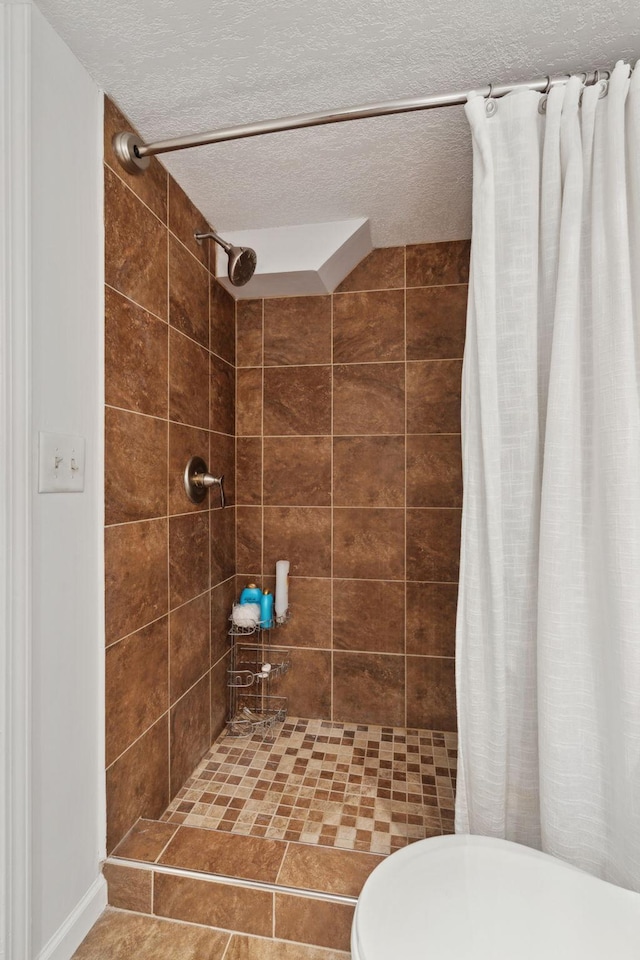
119, 936
357, 787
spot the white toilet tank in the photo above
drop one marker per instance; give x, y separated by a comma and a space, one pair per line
478, 898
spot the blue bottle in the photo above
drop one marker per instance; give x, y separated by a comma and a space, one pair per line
251, 594
266, 610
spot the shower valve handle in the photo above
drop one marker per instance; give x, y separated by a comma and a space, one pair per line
197, 481
207, 480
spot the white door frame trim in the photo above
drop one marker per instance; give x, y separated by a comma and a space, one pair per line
15, 481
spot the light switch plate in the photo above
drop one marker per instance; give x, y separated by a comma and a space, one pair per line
60, 463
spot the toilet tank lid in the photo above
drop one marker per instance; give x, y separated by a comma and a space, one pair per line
478, 898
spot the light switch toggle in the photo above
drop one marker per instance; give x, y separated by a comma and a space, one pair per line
60, 463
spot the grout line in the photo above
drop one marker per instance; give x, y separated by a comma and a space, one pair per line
328, 506
224, 880
179, 423
135, 303
218, 662
170, 325
361, 580
162, 716
209, 500
339, 651
188, 923
163, 851
351, 363
165, 713
170, 516
346, 436
227, 691
346, 293
260, 638
320, 952
262, 443
168, 524
279, 506
124, 183
164, 223
187, 249
218, 357
327, 436
144, 626
332, 500
227, 945
282, 862
404, 286
196, 343
139, 413
430, 286
406, 425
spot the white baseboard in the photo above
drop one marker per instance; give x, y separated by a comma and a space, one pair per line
70, 935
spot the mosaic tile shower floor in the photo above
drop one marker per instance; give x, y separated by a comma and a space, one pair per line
358, 787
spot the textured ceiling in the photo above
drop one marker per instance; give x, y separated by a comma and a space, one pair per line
183, 66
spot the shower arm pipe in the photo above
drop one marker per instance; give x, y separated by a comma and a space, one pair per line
134, 155
212, 235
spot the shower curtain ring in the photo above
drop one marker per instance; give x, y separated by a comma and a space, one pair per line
490, 106
542, 105
601, 80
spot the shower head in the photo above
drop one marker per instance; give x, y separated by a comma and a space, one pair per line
242, 265
242, 260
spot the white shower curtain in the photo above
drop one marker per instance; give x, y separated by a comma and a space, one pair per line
548, 642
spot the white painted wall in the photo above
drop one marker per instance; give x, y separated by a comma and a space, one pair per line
67, 361
299, 260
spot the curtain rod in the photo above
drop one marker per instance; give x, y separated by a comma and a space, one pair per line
134, 155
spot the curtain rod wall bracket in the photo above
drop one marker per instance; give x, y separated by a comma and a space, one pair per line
126, 147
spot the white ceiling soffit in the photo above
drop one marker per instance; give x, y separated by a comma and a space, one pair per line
185, 66
300, 260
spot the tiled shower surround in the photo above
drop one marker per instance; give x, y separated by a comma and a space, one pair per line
342, 416
170, 393
348, 465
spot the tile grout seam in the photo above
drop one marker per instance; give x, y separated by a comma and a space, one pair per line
406, 409
332, 501
168, 524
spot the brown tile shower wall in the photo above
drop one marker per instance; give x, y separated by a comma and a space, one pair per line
348, 465
170, 393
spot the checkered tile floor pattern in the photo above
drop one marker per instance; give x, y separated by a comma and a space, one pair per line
343, 785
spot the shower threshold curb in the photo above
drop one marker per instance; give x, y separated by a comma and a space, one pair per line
232, 881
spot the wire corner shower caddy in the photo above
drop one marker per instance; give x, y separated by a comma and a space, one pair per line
255, 667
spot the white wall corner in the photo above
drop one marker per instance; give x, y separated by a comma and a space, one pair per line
15, 508
67, 396
51, 887
302, 260
347, 257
